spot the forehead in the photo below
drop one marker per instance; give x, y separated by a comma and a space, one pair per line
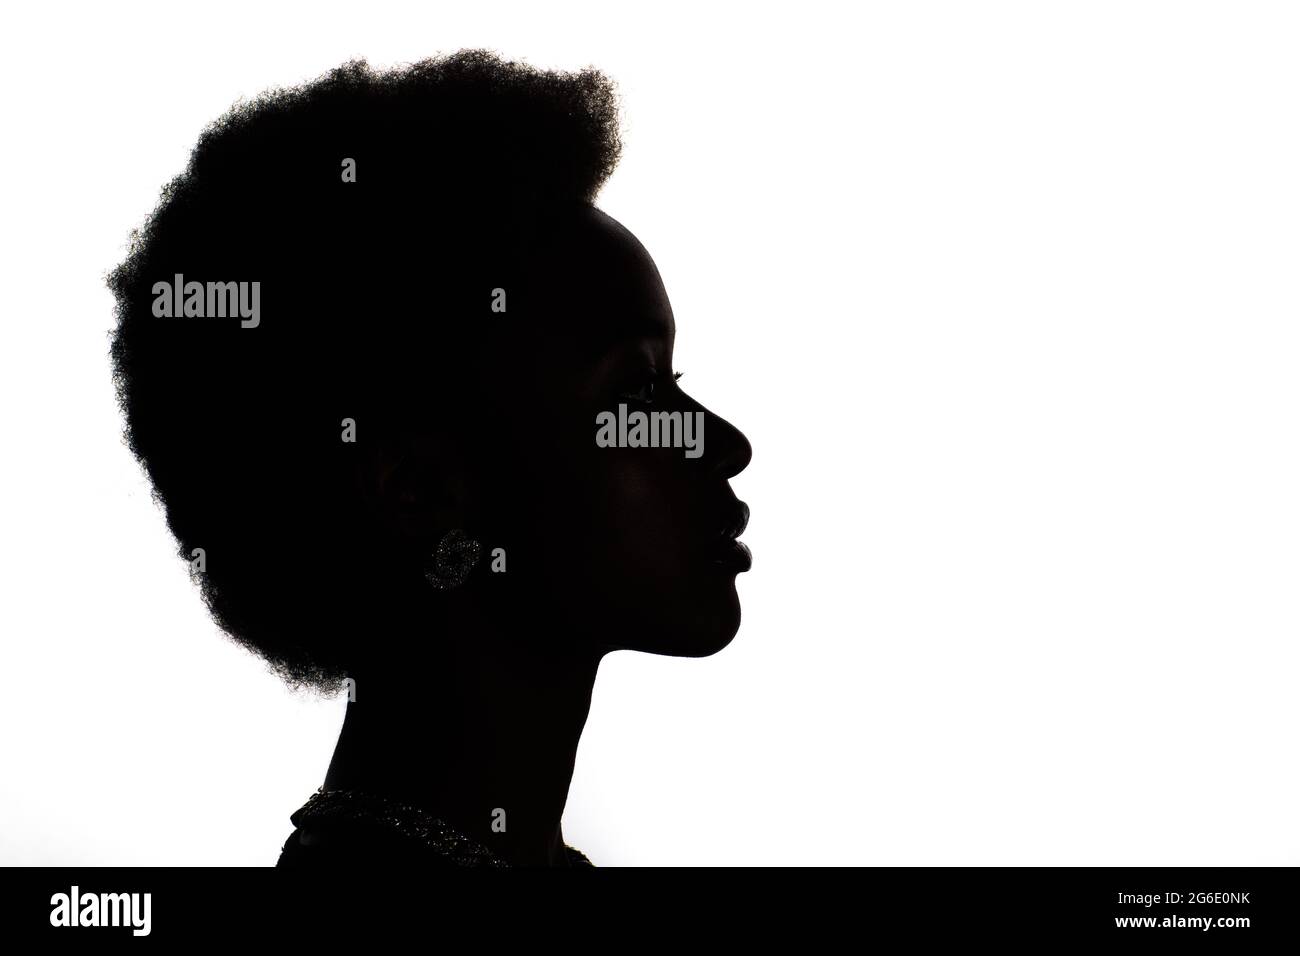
600, 287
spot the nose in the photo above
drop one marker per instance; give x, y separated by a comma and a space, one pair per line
734, 448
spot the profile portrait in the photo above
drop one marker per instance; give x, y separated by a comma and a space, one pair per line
407, 398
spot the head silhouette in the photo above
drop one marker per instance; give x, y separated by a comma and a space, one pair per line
443, 319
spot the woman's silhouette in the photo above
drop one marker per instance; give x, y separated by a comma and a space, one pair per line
393, 478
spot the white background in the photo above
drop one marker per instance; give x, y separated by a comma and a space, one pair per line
1017, 284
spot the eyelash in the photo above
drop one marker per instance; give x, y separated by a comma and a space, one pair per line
633, 396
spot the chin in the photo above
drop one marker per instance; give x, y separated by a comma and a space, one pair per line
698, 628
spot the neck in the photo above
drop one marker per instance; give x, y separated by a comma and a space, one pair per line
486, 741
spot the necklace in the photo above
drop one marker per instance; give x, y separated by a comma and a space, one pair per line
411, 822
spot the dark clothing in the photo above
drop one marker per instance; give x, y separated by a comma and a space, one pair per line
348, 828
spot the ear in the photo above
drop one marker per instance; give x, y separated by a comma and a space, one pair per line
417, 487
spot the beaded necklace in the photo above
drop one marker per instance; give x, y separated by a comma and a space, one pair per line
414, 823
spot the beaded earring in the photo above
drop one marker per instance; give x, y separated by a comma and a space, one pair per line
456, 556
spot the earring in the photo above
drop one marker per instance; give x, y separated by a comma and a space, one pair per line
456, 556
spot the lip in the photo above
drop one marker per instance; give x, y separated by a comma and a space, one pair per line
736, 521
734, 557
730, 554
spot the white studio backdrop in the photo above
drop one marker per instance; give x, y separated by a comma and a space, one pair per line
1017, 287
